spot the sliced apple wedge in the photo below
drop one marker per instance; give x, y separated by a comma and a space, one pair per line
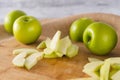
19, 60
63, 45
33, 59
48, 42
55, 40
93, 59
114, 60
116, 76
28, 51
49, 53
72, 51
105, 70
42, 45
93, 69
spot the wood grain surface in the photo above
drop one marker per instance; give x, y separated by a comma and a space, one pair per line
53, 69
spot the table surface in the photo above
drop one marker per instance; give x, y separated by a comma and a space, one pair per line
58, 8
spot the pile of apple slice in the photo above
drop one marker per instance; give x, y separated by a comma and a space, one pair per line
57, 47
51, 49
109, 69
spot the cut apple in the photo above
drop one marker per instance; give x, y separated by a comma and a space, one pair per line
28, 51
105, 70
33, 59
93, 59
42, 45
114, 60
19, 60
63, 45
72, 51
48, 42
58, 47
93, 69
49, 53
116, 76
55, 40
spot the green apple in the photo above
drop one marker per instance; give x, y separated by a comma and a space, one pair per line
10, 19
19, 60
77, 28
93, 69
32, 60
100, 38
27, 29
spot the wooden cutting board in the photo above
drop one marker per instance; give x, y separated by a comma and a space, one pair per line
53, 69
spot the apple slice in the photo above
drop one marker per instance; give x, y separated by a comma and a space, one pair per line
116, 76
84, 79
42, 45
55, 40
19, 60
48, 42
63, 45
28, 51
72, 51
33, 59
93, 59
105, 70
49, 53
93, 68
114, 60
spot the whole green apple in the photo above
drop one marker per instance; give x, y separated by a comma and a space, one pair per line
77, 28
10, 19
27, 29
100, 38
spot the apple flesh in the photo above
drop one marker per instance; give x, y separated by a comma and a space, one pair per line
42, 45
57, 47
93, 68
28, 51
49, 53
109, 69
19, 60
116, 76
77, 28
104, 71
100, 38
55, 40
32, 60
63, 45
72, 51
10, 19
93, 59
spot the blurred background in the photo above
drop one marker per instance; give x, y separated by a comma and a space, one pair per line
58, 8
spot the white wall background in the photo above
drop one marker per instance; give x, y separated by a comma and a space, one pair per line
58, 8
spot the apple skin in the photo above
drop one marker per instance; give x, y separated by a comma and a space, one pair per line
10, 19
77, 28
100, 38
27, 29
